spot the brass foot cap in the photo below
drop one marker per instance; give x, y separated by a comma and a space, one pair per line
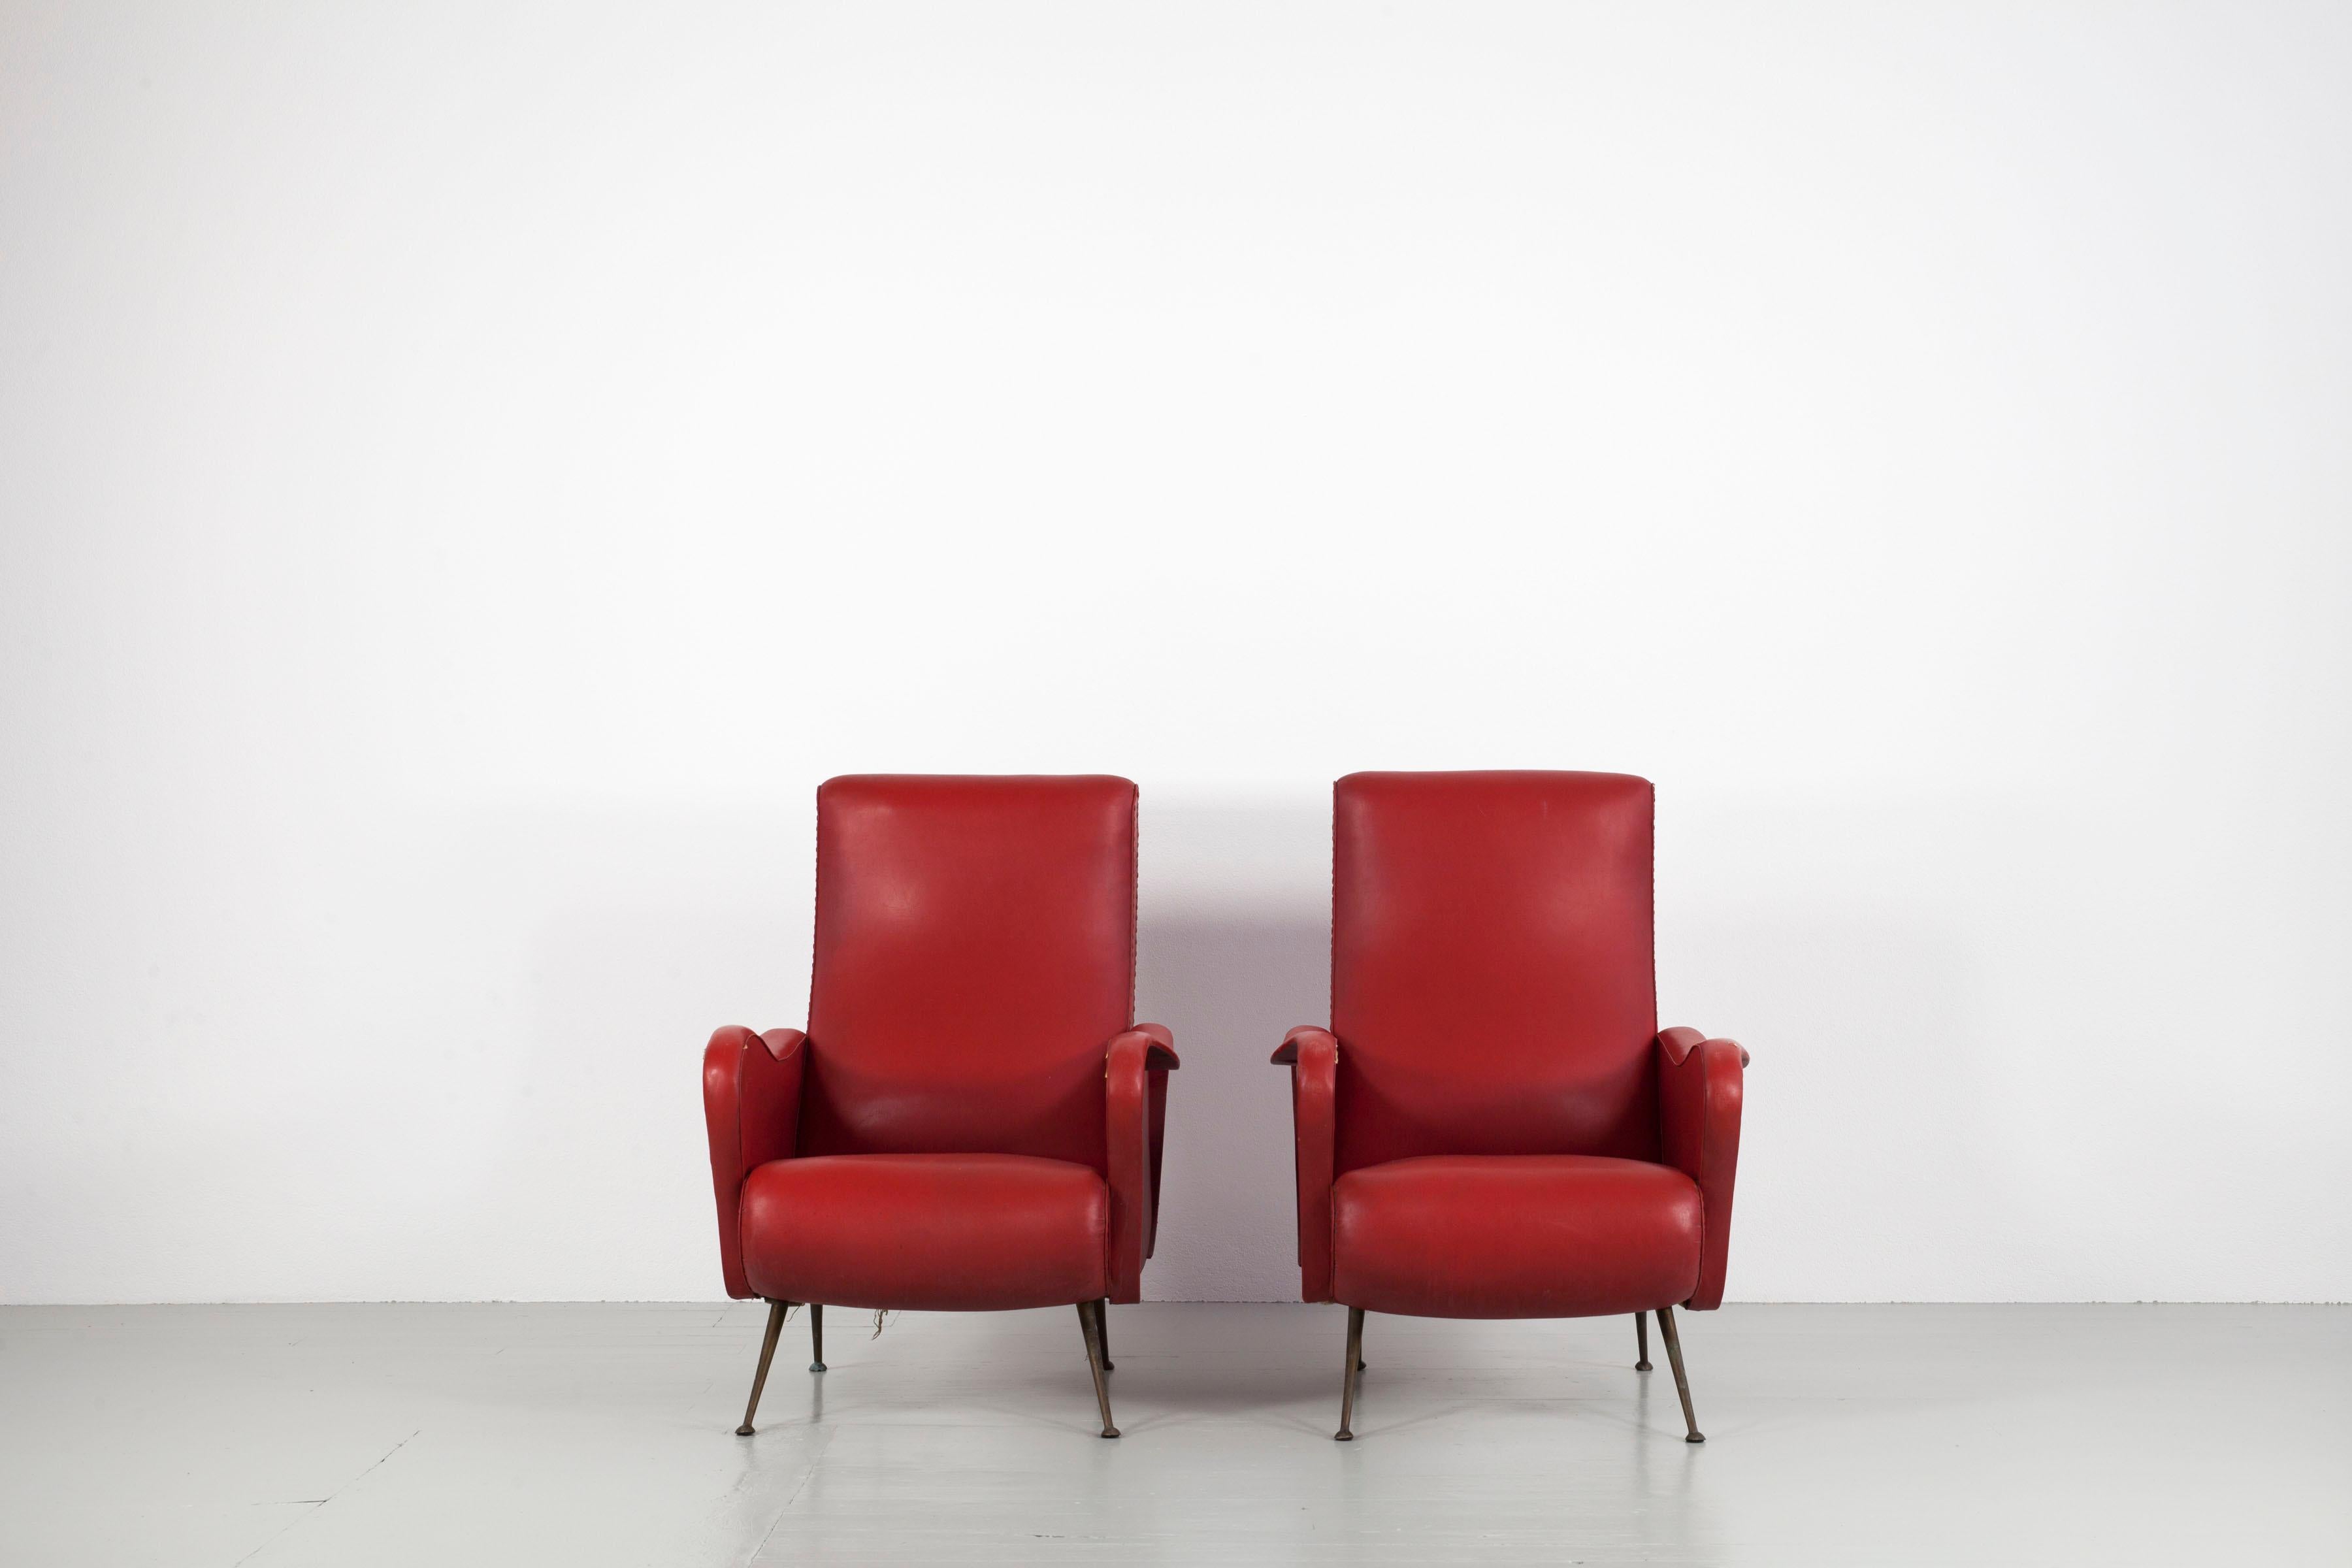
1696, 1438
816, 1366
1110, 1366
1110, 1431
1343, 1437
1641, 1366
743, 1431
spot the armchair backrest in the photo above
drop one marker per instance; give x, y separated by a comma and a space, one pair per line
1493, 980
975, 951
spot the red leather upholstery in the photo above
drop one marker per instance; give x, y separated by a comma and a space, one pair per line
1136, 1079
1698, 1104
1314, 1059
751, 1106
1515, 1236
937, 1232
975, 949
1493, 1125
1491, 981
970, 997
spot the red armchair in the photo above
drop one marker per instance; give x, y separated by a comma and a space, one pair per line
1493, 1126
971, 1123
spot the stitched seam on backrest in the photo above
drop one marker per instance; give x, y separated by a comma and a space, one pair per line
1654, 905
1331, 980
1332, 1022
1657, 1074
816, 925
1134, 893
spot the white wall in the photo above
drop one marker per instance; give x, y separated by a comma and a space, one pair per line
467, 474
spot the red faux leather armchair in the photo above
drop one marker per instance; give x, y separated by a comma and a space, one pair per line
971, 1123
1493, 1126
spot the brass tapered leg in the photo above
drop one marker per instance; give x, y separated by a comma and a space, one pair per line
1087, 1326
1642, 1339
816, 1336
1102, 1334
1350, 1367
776, 1311
1681, 1384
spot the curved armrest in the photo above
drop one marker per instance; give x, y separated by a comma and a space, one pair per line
1135, 1065
1313, 1056
1700, 1082
751, 1105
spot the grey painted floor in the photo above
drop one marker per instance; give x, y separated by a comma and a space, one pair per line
589, 1434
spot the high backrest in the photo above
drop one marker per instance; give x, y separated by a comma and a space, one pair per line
975, 951
1492, 984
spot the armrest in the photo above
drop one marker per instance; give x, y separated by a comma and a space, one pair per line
1700, 1082
1135, 1065
751, 1105
1313, 1056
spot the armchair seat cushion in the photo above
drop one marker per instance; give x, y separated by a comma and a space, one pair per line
1515, 1236
932, 1232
